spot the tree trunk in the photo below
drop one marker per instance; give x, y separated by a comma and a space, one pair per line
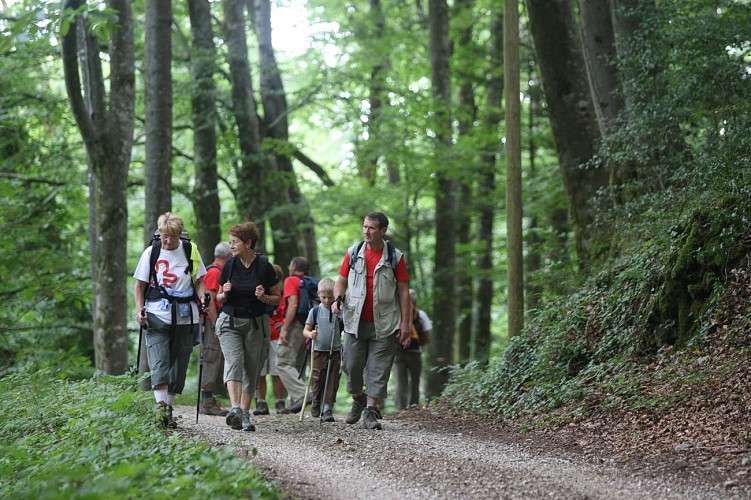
203, 114
515, 260
106, 126
288, 220
466, 118
571, 111
444, 306
158, 109
251, 179
486, 199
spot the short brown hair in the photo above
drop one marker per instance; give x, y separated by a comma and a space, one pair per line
247, 232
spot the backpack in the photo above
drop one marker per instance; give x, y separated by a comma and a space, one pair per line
390, 254
308, 296
154, 291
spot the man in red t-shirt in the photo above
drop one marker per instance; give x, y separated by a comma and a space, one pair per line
290, 354
211, 352
373, 298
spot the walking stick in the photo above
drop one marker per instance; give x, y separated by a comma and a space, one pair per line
140, 337
328, 363
310, 378
205, 312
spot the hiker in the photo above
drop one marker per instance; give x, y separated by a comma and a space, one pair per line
247, 290
408, 359
269, 367
290, 355
211, 351
373, 287
166, 292
324, 328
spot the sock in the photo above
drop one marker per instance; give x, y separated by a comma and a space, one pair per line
160, 395
327, 408
170, 398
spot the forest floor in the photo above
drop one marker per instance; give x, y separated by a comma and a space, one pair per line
426, 453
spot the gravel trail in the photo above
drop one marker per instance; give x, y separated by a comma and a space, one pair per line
427, 458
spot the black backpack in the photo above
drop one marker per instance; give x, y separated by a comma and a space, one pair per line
308, 296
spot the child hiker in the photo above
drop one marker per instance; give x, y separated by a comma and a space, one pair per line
325, 328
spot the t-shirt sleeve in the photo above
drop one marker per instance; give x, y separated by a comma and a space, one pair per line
344, 268
401, 272
291, 287
269, 276
224, 277
142, 269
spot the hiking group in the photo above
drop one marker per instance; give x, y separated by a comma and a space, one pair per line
249, 327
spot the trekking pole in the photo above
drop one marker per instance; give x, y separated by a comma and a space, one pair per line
205, 312
140, 337
328, 363
310, 378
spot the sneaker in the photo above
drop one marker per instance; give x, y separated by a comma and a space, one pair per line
315, 409
371, 419
246, 425
210, 406
358, 405
279, 407
234, 418
262, 408
328, 416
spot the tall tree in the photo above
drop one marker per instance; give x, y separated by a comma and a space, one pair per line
251, 198
444, 306
289, 213
106, 124
486, 198
572, 117
515, 258
203, 109
158, 109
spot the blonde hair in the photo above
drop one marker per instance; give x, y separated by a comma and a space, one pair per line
170, 224
326, 285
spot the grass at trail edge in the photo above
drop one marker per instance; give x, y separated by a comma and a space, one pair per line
101, 438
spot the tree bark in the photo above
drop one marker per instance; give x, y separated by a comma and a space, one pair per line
158, 110
514, 209
251, 179
572, 116
291, 221
106, 126
444, 307
486, 199
203, 114
466, 118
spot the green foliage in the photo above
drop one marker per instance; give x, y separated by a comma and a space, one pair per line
101, 438
680, 225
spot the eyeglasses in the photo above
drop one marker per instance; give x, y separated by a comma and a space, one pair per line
234, 243
168, 237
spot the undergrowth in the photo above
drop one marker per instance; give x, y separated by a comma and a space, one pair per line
101, 438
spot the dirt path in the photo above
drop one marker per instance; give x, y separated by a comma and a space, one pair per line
421, 456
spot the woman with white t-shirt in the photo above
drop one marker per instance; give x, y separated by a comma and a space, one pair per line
166, 304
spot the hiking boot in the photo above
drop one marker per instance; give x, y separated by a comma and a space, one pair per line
262, 408
294, 409
235, 418
279, 407
246, 425
358, 405
315, 409
167, 419
328, 416
210, 406
371, 419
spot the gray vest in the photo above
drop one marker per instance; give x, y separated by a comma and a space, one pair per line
386, 307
